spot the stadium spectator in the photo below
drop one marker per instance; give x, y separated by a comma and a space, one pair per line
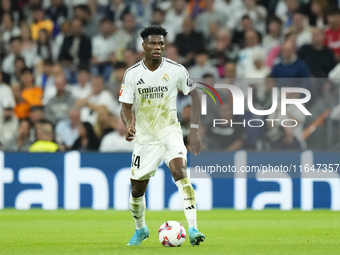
116, 79
290, 66
91, 22
77, 47
302, 31
195, 8
36, 117
104, 121
239, 35
20, 142
45, 139
57, 107
208, 16
31, 95
28, 7
274, 36
58, 13
67, 131
40, 23
127, 37
65, 30
174, 17
296, 132
28, 44
83, 87
5, 93
317, 13
225, 137
45, 77
99, 96
8, 30
19, 65
21, 108
8, 66
7, 6
246, 60
285, 10
103, 46
171, 52
87, 140
202, 66
332, 36
229, 8
319, 58
256, 13
116, 11
142, 11
115, 140
8, 122
44, 46
223, 51
286, 140
130, 57
189, 41
259, 70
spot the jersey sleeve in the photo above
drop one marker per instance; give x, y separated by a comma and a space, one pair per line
126, 94
185, 83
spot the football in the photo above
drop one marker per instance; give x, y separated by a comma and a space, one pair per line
172, 234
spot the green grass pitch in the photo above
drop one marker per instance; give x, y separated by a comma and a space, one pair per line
227, 232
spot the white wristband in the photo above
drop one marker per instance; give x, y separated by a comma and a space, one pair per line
194, 126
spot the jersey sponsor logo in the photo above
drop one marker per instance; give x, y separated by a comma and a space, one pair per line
165, 78
140, 82
153, 92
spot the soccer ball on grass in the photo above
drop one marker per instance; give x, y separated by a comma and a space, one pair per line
172, 234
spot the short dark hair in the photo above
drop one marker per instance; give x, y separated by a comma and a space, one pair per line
120, 65
202, 51
48, 62
83, 7
105, 19
275, 19
153, 30
16, 38
26, 70
245, 17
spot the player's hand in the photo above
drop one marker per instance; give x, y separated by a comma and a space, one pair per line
194, 141
130, 133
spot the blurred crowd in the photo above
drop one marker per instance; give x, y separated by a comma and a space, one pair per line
63, 61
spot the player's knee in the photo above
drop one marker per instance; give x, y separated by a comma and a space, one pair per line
137, 192
179, 174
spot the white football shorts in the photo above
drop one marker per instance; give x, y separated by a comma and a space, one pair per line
147, 157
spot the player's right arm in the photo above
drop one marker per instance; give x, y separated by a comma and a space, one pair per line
126, 96
127, 118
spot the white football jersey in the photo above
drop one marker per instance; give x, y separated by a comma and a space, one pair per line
153, 94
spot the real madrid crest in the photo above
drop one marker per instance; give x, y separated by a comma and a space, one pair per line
133, 172
165, 77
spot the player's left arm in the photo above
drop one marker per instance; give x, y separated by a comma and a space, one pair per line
194, 137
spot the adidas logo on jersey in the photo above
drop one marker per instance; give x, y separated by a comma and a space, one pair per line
181, 153
140, 82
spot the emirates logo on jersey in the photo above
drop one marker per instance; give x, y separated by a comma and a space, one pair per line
165, 77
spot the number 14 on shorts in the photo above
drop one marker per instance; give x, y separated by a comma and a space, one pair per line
135, 161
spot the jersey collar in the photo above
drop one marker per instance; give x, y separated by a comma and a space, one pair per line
159, 67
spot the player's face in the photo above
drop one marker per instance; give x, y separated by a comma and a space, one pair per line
154, 46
